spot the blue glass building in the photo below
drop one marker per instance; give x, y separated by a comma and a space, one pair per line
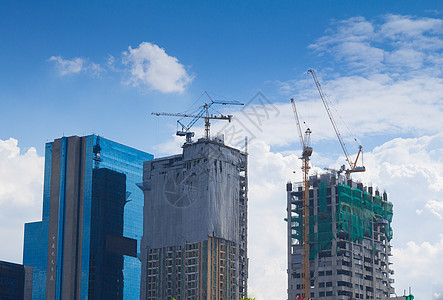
87, 245
15, 281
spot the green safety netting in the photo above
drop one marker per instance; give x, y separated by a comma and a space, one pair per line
322, 239
355, 214
357, 210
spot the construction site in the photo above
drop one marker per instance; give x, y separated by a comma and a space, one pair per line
194, 243
349, 238
339, 230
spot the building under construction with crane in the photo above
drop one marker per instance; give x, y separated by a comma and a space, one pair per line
339, 230
194, 243
349, 236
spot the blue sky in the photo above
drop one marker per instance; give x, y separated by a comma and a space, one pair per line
231, 49
75, 68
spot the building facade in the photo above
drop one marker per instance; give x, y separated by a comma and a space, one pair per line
15, 281
87, 244
194, 243
349, 240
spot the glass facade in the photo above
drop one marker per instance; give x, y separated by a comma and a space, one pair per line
12, 281
103, 161
15, 281
35, 246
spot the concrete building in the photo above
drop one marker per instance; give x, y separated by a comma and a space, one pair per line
194, 243
87, 244
15, 281
349, 239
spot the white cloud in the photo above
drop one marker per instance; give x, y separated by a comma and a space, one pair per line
411, 171
95, 69
21, 186
76, 65
419, 265
147, 66
375, 105
408, 57
68, 66
436, 207
151, 66
351, 42
401, 160
417, 32
394, 41
393, 72
268, 173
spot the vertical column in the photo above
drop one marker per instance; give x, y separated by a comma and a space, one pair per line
70, 231
51, 274
81, 199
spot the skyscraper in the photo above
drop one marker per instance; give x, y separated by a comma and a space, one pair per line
349, 239
194, 243
87, 244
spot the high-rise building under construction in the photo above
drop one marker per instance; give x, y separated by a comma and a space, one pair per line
349, 239
194, 243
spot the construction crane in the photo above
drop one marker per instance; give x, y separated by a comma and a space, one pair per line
306, 153
202, 114
353, 168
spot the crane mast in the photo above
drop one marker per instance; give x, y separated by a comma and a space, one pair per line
306, 153
352, 164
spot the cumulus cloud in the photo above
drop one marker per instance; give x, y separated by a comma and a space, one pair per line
151, 66
404, 159
420, 266
393, 42
21, 186
386, 80
75, 66
411, 171
147, 66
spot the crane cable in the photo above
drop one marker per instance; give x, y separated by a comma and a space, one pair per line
343, 121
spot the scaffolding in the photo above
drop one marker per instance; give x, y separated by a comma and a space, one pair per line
349, 239
357, 212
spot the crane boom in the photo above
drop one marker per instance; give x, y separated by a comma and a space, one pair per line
352, 165
221, 117
202, 114
300, 135
186, 129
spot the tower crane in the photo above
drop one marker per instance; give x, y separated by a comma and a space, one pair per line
202, 114
306, 153
353, 168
